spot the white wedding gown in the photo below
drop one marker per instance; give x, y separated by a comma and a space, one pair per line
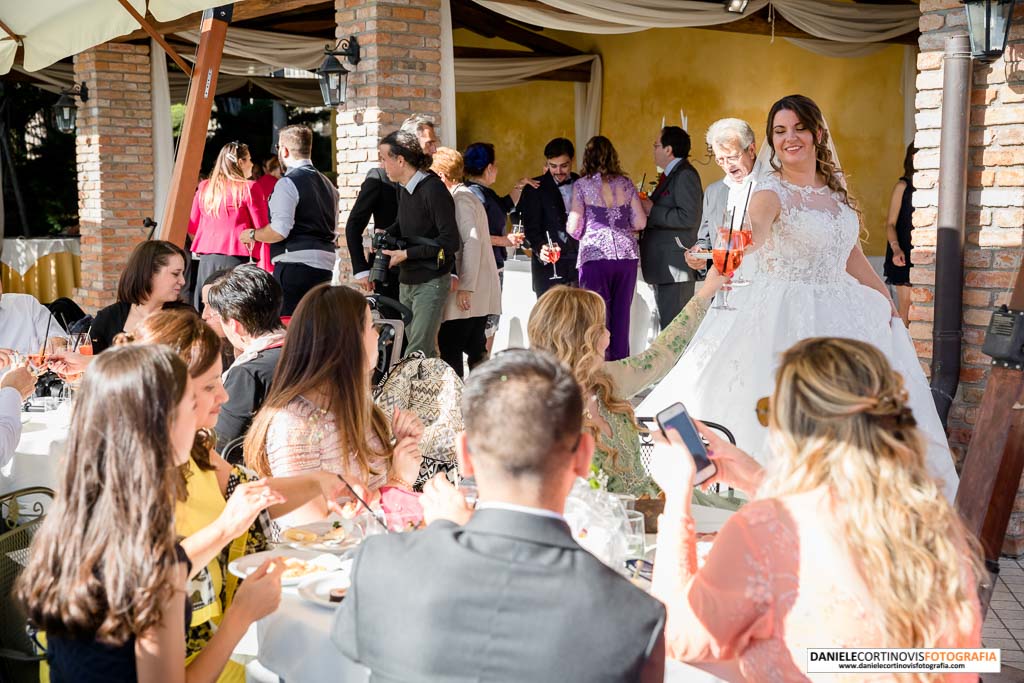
801, 289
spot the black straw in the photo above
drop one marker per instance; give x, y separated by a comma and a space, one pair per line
728, 240
373, 513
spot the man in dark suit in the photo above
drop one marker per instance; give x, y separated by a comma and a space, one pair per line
377, 198
510, 596
544, 210
674, 211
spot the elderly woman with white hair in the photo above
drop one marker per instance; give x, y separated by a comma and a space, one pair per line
731, 142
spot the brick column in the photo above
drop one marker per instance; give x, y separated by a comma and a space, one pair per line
399, 75
114, 150
995, 196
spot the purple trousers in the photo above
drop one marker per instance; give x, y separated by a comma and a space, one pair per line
615, 281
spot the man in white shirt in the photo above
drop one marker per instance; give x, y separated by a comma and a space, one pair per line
732, 144
23, 326
512, 587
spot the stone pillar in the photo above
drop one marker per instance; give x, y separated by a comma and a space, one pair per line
995, 196
399, 75
114, 151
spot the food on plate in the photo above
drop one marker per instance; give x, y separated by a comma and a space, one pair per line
299, 536
337, 594
295, 568
350, 510
337, 533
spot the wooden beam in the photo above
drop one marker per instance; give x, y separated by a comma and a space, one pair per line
249, 9
995, 457
462, 52
148, 28
490, 24
570, 74
201, 91
7, 29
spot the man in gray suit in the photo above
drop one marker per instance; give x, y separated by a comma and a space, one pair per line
510, 596
673, 218
732, 144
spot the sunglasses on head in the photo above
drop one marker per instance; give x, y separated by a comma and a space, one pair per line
763, 408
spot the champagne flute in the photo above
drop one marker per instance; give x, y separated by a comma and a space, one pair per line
727, 254
516, 236
554, 253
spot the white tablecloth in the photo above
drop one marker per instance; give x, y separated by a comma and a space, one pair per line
36, 461
20, 254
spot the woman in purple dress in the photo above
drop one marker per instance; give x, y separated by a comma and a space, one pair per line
606, 216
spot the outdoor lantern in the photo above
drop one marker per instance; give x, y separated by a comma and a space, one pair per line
333, 75
988, 23
736, 6
65, 111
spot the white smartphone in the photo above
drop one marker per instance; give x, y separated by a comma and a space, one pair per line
676, 417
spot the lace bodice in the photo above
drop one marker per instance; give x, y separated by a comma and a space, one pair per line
811, 239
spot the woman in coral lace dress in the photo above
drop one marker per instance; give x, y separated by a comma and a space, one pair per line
848, 544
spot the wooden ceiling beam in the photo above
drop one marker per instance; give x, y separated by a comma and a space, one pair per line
490, 24
249, 9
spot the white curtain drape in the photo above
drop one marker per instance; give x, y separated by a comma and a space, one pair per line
908, 86
827, 48
269, 47
588, 108
448, 116
825, 19
163, 135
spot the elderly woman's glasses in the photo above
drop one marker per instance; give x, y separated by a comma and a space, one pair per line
763, 410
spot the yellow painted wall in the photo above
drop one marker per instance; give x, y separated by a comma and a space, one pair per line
710, 75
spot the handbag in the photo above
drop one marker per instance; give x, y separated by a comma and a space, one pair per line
433, 391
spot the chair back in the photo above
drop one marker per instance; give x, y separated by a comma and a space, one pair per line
19, 659
23, 506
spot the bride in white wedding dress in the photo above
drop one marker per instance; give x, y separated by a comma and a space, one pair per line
813, 281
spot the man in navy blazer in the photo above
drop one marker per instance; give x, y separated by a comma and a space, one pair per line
544, 210
509, 596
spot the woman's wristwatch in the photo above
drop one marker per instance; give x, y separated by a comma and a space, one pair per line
252, 234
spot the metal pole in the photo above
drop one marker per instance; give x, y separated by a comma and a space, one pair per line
949, 267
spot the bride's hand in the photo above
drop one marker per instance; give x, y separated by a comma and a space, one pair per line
712, 283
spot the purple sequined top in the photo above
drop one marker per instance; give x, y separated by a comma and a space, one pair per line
606, 232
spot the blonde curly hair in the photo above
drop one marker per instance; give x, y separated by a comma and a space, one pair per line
568, 323
839, 419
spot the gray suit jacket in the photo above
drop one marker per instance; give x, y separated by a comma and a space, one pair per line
508, 597
676, 213
716, 201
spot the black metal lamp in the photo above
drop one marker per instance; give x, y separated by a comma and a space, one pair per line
333, 75
988, 24
65, 111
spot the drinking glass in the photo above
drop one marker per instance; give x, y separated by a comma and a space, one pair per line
628, 500
635, 542
516, 236
747, 235
727, 254
554, 253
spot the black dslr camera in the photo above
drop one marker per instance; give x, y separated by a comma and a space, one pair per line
381, 261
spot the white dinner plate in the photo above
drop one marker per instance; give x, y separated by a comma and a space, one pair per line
328, 563
353, 537
317, 589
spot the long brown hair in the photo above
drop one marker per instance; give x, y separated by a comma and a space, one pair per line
839, 419
600, 156
323, 356
568, 322
103, 562
198, 345
227, 185
811, 117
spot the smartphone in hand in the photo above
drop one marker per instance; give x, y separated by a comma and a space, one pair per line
675, 417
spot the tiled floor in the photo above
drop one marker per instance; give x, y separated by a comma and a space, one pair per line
1004, 624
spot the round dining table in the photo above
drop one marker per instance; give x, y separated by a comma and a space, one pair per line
36, 461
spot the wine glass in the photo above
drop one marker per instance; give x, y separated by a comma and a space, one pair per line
554, 253
635, 539
516, 236
727, 254
746, 231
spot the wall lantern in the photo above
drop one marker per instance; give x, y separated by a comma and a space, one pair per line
988, 23
333, 75
65, 111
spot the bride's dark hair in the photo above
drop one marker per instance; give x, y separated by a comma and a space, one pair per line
811, 117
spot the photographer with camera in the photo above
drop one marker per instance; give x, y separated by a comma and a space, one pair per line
422, 242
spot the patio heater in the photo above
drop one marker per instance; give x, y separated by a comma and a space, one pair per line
332, 73
988, 24
65, 111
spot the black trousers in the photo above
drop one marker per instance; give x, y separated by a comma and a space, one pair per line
671, 297
463, 336
296, 279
